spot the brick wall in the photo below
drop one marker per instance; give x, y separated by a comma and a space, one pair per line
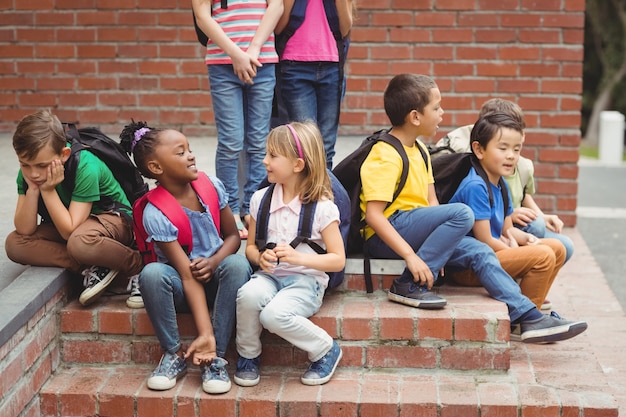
29, 358
104, 61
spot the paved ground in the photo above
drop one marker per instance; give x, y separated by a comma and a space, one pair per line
602, 220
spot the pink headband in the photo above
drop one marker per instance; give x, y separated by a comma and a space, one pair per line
297, 140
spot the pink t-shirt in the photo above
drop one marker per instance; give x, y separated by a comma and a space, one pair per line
313, 40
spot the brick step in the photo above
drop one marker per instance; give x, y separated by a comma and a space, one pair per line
471, 333
122, 391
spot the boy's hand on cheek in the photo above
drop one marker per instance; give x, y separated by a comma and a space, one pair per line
32, 187
54, 177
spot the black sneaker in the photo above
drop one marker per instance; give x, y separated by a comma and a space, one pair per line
550, 328
97, 279
415, 295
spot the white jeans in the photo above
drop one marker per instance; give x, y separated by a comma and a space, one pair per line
282, 306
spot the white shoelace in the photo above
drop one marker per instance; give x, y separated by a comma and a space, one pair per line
90, 276
133, 285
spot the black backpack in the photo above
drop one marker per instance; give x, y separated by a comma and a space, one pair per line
450, 169
202, 37
305, 224
348, 172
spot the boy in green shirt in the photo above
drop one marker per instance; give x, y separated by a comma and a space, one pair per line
79, 230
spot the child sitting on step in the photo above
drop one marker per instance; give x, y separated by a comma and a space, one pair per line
289, 286
207, 278
79, 231
496, 141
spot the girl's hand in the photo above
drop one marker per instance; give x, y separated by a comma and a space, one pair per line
54, 177
202, 350
202, 269
284, 252
268, 260
245, 67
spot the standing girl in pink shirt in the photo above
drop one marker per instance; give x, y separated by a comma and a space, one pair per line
312, 42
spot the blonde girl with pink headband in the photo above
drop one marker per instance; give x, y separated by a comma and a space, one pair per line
289, 285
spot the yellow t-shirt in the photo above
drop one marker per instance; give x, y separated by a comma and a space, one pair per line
380, 175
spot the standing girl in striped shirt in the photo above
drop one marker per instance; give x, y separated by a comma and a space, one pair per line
241, 59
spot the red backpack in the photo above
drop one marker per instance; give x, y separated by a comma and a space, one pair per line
168, 205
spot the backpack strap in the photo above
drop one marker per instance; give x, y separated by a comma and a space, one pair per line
207, 192
305, 227
169, 206
501, 183
305, 224
395, 142
262, 219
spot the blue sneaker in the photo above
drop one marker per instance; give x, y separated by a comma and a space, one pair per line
247, 374
170, 368
320, 371
215, 379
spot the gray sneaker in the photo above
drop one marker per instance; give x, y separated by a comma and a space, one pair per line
170, 368
414, 295
215, 379
550, 328
135, 300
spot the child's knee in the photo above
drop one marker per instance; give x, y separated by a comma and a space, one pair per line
250, 296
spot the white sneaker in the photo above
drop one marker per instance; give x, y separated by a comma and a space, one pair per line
135, 300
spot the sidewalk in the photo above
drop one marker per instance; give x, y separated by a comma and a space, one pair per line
580, 292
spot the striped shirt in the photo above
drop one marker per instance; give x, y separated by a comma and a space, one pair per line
240, 21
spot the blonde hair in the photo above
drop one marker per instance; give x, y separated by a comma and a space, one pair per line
314, 180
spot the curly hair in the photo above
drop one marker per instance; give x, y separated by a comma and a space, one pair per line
139, 140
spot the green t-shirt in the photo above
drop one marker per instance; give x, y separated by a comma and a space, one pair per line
94, 183
522, 181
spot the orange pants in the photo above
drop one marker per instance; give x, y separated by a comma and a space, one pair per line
536, 266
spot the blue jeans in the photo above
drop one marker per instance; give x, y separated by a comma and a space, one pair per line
538, 228
242, 118
312, 91
432, 232
472, 254
163, 296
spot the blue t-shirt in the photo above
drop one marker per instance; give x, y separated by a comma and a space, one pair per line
473, 192
206, 239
